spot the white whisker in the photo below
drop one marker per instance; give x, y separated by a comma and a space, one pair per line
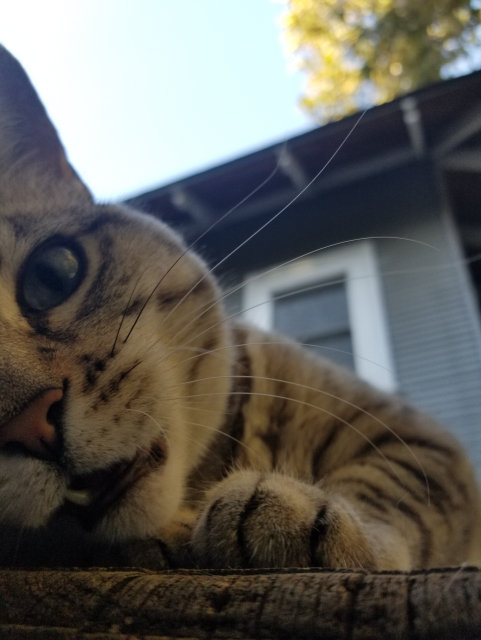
306, 404
162, 430
262, 227
276, 343
280, 296
329, 395
214, 224
227, 435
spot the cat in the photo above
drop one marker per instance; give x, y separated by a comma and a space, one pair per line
133, 410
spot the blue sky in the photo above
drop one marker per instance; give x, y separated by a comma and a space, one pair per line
146, 91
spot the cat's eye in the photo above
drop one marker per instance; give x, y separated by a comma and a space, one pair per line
51, 275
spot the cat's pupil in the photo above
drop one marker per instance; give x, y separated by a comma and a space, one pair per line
47, 276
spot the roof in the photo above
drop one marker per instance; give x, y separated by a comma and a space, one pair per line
442, 121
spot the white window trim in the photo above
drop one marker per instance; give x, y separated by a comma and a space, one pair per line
357, 265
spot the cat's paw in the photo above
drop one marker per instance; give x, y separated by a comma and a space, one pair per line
171, 549
271, 520
151, 554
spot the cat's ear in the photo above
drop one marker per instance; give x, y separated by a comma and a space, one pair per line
33, 164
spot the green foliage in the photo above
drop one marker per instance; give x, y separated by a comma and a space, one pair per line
370, 51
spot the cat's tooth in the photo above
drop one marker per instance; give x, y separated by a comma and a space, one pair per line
82, 497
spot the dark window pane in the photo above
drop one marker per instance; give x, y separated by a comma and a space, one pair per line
319, 316
339, 348
320, 311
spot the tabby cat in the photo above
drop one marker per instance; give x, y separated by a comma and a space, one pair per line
131, 409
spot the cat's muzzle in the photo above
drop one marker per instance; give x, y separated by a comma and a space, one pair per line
90, 496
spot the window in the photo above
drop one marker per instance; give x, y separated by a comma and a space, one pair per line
332, 303
318, 317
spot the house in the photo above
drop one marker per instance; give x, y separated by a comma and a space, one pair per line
393, 199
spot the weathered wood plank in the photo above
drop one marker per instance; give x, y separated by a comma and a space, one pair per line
343, 605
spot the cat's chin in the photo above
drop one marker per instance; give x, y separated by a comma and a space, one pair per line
132, 499
129, 500
91, 496
148, 506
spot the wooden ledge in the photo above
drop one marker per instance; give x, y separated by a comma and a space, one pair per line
138, 603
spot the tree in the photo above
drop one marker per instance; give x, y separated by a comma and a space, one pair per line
361, 52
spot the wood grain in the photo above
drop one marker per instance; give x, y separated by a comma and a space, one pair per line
340, 605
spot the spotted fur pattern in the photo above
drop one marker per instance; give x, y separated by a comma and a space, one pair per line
256, 453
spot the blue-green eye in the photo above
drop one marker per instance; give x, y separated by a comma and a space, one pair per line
51, 275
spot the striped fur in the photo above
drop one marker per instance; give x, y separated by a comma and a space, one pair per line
255, 453
369, 481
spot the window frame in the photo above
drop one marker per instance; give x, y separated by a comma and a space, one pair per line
355, 264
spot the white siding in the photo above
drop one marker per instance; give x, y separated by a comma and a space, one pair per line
435, 330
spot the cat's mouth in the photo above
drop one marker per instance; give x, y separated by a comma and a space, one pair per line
90, 496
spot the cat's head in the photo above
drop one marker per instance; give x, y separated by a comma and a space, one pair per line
105, 326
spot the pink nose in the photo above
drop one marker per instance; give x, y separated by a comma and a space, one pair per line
31, 428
